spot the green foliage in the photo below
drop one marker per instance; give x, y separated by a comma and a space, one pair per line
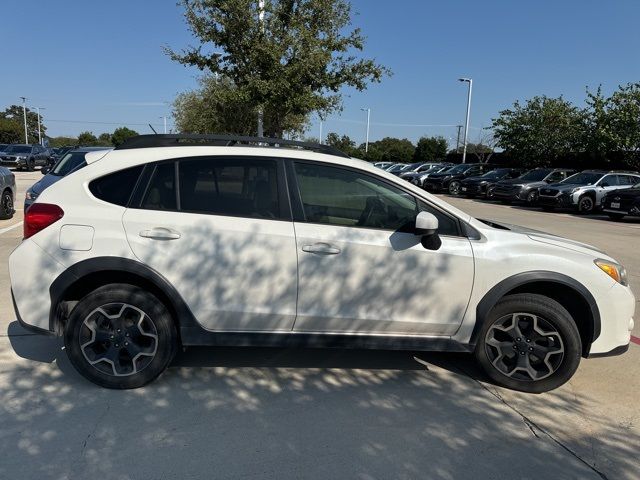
12, 125
342, 143
121, 134
104, 139
540, 131
62, 141
291, 64
87, 139
389, 149
430, 149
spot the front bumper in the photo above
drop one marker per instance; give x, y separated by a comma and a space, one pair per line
473, 189
617, 308
562, 200
13, 163
433, 185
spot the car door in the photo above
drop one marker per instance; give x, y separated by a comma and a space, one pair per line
360, 267
224, 239
606, 184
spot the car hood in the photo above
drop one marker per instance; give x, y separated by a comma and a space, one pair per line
477, 180
548, 238
44, 182
438, 176
564, 187
515, 181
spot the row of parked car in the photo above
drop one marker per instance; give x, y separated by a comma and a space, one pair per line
62, 162
616, 193
22, 156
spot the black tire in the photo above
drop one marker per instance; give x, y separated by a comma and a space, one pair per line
6, 205
550, 317
616, 216
586, 204
454, 187
532, 198
489, 195
141, 311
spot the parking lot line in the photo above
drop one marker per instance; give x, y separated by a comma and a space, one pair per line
7, 229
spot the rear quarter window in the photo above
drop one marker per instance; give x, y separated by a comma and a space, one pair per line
116, 187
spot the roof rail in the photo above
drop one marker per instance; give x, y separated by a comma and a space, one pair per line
190, 140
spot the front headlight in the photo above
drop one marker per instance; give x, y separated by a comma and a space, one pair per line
615, 271
574, 190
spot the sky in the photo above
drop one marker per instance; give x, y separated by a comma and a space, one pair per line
99, 65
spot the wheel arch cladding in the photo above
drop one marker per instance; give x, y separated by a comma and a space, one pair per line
567, 291
87, 275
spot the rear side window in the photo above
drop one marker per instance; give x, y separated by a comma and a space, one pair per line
230, 186
161, 193
116, 187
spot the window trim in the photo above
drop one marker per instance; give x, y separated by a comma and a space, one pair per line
298, 209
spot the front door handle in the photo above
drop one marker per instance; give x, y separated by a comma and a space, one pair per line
321, 249
160, 233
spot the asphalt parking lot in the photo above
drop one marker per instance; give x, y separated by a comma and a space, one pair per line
278, 413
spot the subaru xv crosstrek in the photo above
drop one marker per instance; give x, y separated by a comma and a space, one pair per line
170, 241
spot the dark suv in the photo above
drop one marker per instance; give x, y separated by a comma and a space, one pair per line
525, 188
622, 202
451, 179
483, 185
22, 156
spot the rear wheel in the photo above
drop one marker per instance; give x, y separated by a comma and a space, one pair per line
532, 197
120, 336
6, 205
529, 343
454, 188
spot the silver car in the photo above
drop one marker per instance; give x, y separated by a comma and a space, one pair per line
8, 189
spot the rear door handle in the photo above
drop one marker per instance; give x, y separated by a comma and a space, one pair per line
160, 233
321, 249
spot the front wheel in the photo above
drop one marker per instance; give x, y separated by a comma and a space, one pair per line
120, 336
454, 188
532, 198
586, 204
530, 343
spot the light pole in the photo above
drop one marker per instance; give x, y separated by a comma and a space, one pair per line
39, 134
320, 130
165, 123
458, 138
24, 113
466, 123
366, 144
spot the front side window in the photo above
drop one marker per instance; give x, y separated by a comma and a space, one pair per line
234, 187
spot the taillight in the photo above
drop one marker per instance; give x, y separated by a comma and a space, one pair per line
39, 216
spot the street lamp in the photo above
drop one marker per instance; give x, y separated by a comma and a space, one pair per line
39, 134
24, 113
366, 145
165, 123
466, 123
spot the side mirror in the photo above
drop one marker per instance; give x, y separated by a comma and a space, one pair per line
44, 170
426, 224
604, 184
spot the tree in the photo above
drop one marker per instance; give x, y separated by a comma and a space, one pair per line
621, 123
121, 134
540, 131
342, 143
15, 115
87, 139
291, 63
430, 149
62, 141
10, 131
389, 149
104, 139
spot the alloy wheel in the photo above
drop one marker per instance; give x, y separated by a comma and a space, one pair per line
524, 347
6, 206
532, 197
118, 339
585, 205
454, 188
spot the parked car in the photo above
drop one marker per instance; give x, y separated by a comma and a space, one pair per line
418, 171
70, 162
59, 152
482, 186
383, 165
399, 168
584, 191
7, 193
450, 180
22, 156
439, 168
622, 202
149, 249
3, 146
525, 188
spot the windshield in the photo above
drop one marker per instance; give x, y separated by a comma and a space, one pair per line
396, 168
458, 169
68, 163
18, 149
535, 175
495, 174
583, 178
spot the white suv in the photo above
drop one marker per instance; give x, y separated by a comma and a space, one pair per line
172, 241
